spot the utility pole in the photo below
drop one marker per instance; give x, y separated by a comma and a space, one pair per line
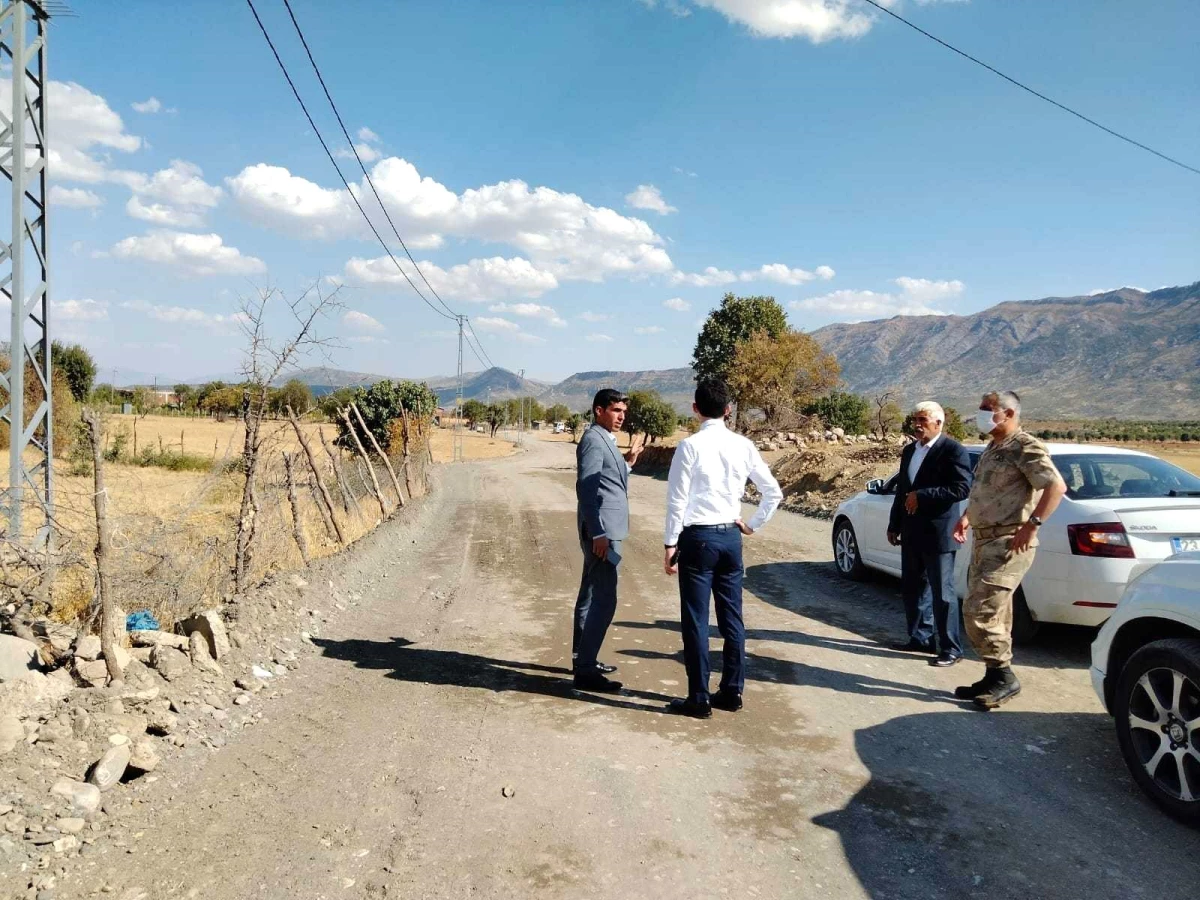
23, 157
521, 410
457, 455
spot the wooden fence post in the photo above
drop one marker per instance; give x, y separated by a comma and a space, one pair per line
327, 503
383, 510
339, 476
379, 450
297, 527
100, 498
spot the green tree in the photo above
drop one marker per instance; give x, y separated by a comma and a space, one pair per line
650, 415
774, 373
143, 400
335, 400
188, 396
849, 412
474, 411
295, 393
733, 322
77, 366
497, 415
385, 401
575, 422
559, 412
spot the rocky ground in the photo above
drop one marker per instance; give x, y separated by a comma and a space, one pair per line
418, 736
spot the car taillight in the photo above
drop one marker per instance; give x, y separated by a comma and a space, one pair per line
1100, 539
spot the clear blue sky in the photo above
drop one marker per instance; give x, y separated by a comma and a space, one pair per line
561, 162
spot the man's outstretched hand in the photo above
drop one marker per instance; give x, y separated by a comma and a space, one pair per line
634, 451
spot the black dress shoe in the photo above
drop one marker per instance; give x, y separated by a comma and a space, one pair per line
689, 707
605, 668
945, 660
726, 700
913, 647
594, 681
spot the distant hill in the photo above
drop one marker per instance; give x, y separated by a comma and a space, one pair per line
676, 386
496, 383
1124, 353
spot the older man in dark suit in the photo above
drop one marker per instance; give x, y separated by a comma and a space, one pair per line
935, 475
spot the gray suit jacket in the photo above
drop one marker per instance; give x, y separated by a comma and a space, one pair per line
601, 487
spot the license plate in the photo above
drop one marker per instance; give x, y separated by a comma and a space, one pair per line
1184, 544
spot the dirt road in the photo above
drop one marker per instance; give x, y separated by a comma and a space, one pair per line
852, 772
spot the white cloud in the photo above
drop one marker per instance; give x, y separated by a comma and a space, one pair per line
649, 329
186, 315
195, 254
530, 311
495, 323
683, 172
678, 304
477, 280
360, 321
85, 310
559, 233
816, 20
593, 317
710, 277
366, 152
598, 338
915, 299
153, 105
176, 197
782, 274
647, 196
925, 291
75, 198
366, 134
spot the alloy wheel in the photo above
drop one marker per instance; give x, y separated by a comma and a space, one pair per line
1164, 728
846, 550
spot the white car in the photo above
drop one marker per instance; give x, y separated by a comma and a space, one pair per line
1146, 670
1122, 506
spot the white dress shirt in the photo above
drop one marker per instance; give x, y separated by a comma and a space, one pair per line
708, 477
920, 451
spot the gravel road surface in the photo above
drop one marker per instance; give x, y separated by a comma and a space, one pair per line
432, 746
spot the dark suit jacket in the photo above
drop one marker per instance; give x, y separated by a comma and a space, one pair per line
943, 480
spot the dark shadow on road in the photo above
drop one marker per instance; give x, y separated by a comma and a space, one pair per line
770, 670
874, 611
422, 665
1008, 805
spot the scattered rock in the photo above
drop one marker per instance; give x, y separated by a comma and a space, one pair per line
88, 647
161, 721
260, 672
145, 756
169, 662
109, 768
297, 582
18, 658
508, 791
84, 798
122, 656
212, 627
11, 733
92, 672
154, 638
71, 825
200, 655
250, 685
34, 691
53, 733
241, 699
65, 844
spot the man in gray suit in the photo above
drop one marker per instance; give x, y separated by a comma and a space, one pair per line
602, 490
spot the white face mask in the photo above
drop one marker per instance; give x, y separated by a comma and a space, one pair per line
985, 422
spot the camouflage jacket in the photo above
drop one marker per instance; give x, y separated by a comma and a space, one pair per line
1007, 481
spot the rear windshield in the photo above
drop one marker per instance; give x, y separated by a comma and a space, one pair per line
1090, 476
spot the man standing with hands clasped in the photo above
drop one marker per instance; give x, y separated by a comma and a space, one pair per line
1005, 513
602, 491
935, 476
703, 544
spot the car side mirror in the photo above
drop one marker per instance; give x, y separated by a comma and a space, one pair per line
874, 485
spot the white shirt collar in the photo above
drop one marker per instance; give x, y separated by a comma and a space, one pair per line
712, 423
937, 437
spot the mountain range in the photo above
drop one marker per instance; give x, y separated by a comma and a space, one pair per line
1125, 353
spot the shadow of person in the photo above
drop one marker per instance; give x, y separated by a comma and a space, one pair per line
423, 665
770, 670
874, 611
1009, 805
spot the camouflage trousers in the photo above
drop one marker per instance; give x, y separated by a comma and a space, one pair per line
994, 575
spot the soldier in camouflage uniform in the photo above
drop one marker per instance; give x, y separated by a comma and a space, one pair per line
1004, 511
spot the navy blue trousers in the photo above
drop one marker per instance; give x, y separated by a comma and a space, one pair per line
595, 606
930, 601
710, 562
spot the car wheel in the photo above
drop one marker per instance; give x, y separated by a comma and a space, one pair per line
845, 552
1025, 626
1157, 711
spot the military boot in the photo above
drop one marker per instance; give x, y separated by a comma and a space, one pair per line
1001, 692
991, 677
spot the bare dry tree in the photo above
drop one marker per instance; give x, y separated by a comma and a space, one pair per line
375, 489
379, 452
294, 501
320, 492
339, 476
265, 361
888, 414
108, 627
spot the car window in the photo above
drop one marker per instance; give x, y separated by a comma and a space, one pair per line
1094, 476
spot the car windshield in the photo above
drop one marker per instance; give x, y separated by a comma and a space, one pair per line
1090, 476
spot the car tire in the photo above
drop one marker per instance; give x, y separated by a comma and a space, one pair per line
1025, 627
846, 555
1170, 670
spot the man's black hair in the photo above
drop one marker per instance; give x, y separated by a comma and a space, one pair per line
606, 397
712, 398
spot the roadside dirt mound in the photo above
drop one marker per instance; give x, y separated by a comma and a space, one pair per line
816, 480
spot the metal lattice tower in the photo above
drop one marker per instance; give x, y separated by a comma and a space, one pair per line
24, 270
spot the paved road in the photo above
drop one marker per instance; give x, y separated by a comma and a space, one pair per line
852, 772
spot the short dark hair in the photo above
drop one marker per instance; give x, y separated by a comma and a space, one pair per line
606, 397
712, 398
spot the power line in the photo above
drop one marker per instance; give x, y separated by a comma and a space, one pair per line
354, 150
336, 167
490, 364
1030, 90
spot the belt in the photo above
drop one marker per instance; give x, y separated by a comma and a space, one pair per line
724, 526
989, 532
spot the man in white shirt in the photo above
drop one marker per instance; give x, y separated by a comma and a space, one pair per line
703, 544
